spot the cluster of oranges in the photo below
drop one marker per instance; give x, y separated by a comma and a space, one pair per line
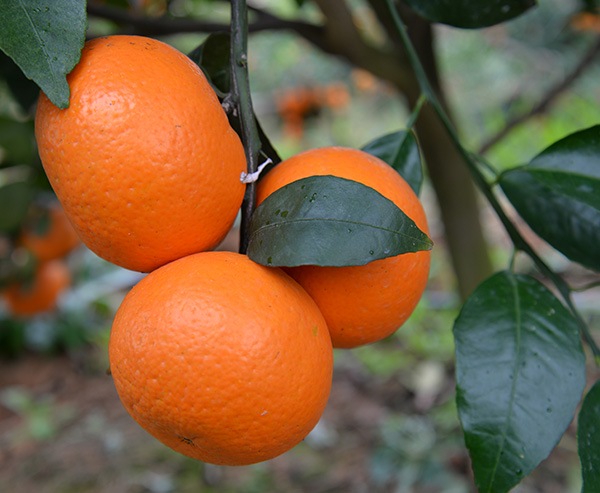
220, 358
44, 241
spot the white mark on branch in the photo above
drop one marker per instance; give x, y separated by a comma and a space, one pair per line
253, 177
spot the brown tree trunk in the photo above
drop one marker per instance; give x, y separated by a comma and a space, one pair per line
456, 194
451, 181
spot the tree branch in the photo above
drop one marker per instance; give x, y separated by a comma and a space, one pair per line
342, 38
240, 94
548, 98
156, 26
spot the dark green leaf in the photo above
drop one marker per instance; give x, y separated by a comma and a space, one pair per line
15, 199
520, 371
571, 167
470, 13
570, 226
45, 40
213, 57
24, 90
401, 151
588, 440
326, 220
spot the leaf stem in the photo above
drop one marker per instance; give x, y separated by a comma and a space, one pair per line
240, 95
519, 242
415, 112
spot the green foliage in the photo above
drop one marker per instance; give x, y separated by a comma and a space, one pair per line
557, 194
305, 222
468, 13
401, 151
15, 199
45, 40
520, 372
519, 360
588, 440
213, 58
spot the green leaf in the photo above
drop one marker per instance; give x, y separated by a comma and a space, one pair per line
470, 13
571, 167
570, 226
520, 371
213, 56
588, 440
401, 151
15, 199
45, 40
326, 220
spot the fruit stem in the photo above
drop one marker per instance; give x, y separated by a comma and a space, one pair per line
240, 94
472, 164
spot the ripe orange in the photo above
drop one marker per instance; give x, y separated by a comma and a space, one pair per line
49, 234
222, 359
40, 294
143, 161
361, 304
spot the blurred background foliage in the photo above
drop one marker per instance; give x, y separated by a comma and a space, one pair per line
391, 424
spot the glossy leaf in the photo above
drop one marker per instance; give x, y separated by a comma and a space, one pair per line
571, 167
570, 226
588, 440
470, 13
45, 40
326, 220
401, 151
520, 371
213, 57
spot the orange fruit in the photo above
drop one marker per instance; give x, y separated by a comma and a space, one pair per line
39, 294
361, 304
222, 359
144, 160
49, 234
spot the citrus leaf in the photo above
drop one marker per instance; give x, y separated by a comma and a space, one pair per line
326, 220
520, 371
212, 56
570, 226
45, 40
470, 13
588, 440
401, 151
571, 167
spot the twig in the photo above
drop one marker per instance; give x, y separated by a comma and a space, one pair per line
143, 24
518, 241
240, 95
548, 98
